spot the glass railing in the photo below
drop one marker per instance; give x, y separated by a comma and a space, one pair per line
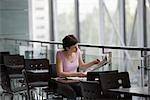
135, 60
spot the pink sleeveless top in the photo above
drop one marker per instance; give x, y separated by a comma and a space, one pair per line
69, 66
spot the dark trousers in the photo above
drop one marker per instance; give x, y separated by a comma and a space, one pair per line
70, 91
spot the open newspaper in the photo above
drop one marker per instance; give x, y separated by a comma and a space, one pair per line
77, 78
95, 67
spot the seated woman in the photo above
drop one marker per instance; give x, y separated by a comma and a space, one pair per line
67, 63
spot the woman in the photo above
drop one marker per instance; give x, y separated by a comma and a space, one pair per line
69, 59
67, 63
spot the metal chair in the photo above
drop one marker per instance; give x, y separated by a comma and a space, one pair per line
3, 76
40, 79
29, 88
34, 78
114, 81
2, 54
36, 64
12, 66
92, 76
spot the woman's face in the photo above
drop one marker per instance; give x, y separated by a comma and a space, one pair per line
73, 48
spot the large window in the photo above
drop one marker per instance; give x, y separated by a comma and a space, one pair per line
65, 18
89, 21
148, 20
39, 20
101, 22
131, 21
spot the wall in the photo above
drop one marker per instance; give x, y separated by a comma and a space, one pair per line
14, 20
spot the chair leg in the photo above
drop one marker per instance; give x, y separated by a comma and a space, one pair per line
3, 95
42, 95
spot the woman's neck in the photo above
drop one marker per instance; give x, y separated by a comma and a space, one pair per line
67, 53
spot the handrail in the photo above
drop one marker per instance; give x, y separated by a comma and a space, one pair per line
51, 42
141, 49
86, 45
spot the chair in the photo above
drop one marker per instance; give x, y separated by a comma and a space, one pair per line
40, 79
124, 82
53, 74
34, 79
27, 76
12, 65
114, 81
91, 90
2, 54
3, 75
36, 64
123, 77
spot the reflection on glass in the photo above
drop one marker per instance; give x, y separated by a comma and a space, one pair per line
65, 18
131, 30
89, 25
148, 21
89, 21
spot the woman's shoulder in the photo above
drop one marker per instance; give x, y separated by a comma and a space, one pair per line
59, 52
78, 51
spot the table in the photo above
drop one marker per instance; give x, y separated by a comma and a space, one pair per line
135, 91
15, 66
69, 80
39, 71
69, 87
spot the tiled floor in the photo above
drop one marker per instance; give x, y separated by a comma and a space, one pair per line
19, 97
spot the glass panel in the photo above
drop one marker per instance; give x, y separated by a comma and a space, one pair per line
89, 26
65, 23
131, 27
14, 19
148, 21
111, 23
89, 21
40, 20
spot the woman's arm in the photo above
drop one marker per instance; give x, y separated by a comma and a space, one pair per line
59, 69
82, 64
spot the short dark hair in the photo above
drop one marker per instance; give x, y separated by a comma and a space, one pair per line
69, 40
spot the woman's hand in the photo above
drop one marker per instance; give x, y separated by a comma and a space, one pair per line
81, 74
96, 61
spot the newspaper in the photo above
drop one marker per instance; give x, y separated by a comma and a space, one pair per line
95, 67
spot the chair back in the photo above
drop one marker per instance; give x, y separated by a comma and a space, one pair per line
91, 76
36, 64
2, 54
114, 81
14, 63
91, 90
124, 80
4, 78
53, 74
109, 81
52, 70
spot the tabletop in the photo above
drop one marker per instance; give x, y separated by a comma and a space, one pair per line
39, 71
69, 80
136, 91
